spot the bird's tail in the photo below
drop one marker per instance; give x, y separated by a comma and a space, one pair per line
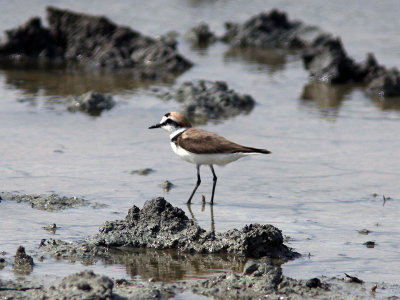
257, 150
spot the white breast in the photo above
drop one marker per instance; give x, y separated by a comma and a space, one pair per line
206, 159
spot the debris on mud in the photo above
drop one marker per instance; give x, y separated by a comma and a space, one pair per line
143, 172
23, 263
354, 279
92, 42
52, 202
204, 99
3, 262
369, 244
92, 103
52, 228
364, 231
167, 186
269, 30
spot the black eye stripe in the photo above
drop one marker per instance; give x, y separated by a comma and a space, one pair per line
169, 122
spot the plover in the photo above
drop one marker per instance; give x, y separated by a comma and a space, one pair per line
202, 147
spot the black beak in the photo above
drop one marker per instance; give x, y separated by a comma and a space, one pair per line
155, 126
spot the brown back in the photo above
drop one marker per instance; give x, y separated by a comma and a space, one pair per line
200, 141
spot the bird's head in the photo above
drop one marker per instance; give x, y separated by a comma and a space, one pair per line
172, 121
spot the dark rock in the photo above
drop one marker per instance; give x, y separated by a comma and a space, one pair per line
201, 36
91, 102
313, 283
269, 29
93, 42
203, 100
51, 202
23, 263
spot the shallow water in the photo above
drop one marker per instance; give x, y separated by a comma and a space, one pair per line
335, 151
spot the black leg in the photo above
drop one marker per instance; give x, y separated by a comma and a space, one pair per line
214, 184
197, 184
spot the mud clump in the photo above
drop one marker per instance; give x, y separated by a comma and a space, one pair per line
87, 253
269, 30
143, 172
203, 100
3, 263
92, 103
92, 42
23, 263
385, 84
86, 285
51, 202
167, 186
201, 36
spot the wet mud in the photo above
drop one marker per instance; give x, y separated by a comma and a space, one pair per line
260, 278
52, 202
172, 254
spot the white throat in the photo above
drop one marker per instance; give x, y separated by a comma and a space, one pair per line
176, 132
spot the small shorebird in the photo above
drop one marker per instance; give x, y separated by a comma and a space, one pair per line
202, 147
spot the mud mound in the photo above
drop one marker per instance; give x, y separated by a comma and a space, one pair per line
204, 99
92, 42
267, 30
159, 225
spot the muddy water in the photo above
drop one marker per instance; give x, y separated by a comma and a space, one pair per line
335, 150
